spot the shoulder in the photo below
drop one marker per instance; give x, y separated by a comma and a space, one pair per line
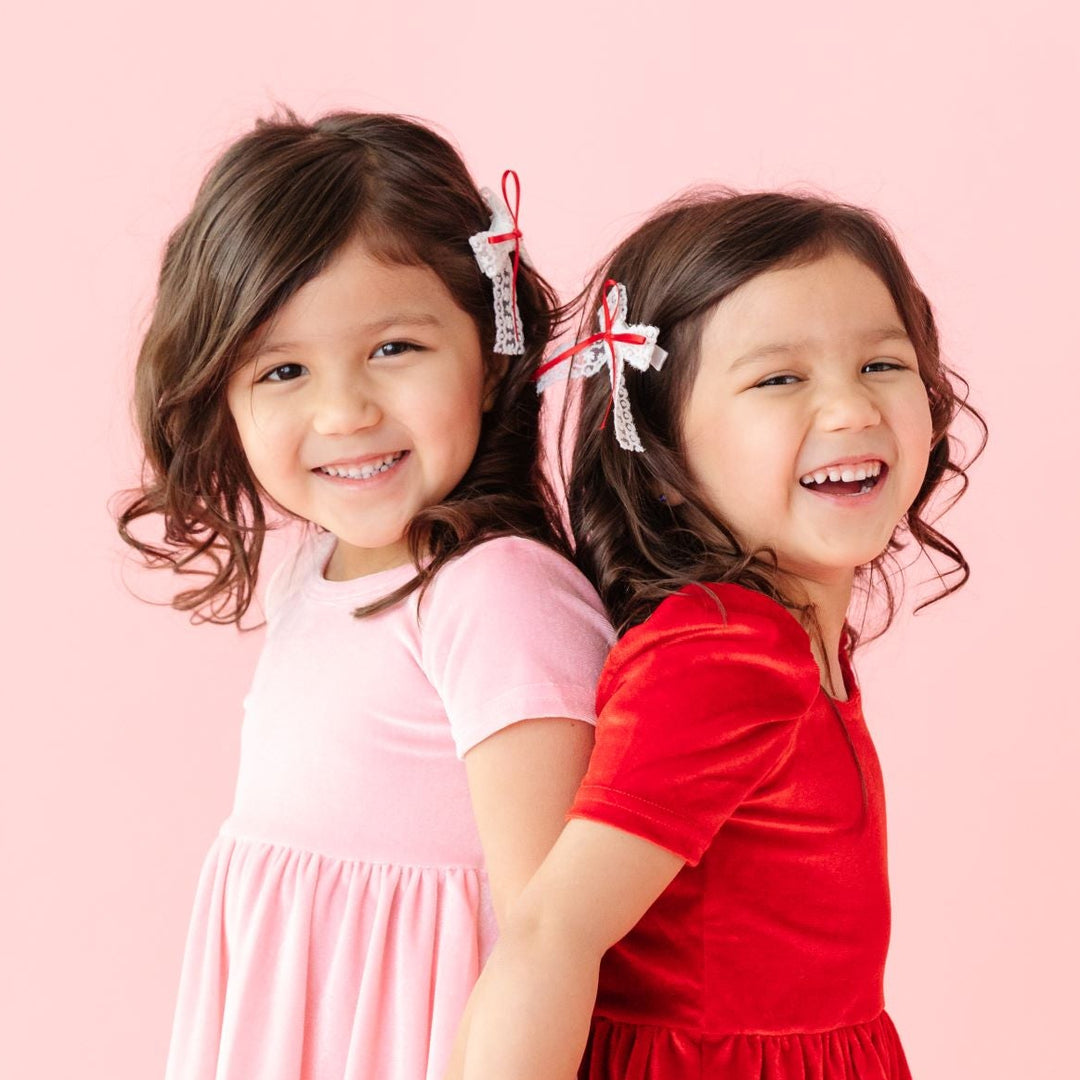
515, 598
512, 566
729, 613
713, 635
509, 631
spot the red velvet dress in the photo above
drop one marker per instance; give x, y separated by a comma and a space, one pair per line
764, 957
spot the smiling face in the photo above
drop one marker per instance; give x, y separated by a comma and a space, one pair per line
808, 427
363, 404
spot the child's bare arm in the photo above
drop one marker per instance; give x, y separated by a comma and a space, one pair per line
529, 1017
522, 781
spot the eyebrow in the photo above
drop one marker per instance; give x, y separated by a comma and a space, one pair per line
785, 348
376, 326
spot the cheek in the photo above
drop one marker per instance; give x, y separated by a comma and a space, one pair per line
260, 426
450, 413
737, 443
914, 430
920, 428
262, 437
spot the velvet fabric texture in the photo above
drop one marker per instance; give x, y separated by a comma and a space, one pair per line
344, 910
765, 956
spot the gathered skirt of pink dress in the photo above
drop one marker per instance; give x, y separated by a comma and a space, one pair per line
276, 987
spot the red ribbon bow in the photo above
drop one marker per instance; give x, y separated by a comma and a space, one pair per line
604, 334
515, 235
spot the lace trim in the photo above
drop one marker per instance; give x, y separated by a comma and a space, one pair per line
497, 262
615, 355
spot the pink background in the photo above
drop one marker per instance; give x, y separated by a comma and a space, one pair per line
120, 722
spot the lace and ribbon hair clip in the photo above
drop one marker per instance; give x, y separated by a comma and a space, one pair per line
616, 344
499, 253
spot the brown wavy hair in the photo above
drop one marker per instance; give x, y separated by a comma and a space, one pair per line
270, 215
696, 250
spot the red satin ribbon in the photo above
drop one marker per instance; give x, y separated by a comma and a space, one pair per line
605, 335
515, 236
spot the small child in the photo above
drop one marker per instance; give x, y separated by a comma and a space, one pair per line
721, 891
346, 332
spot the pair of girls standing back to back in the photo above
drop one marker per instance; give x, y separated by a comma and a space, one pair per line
774, 422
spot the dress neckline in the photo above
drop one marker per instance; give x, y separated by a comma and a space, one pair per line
356, 591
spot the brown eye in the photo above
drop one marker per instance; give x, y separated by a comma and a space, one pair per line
395, 348
778, 380
284, 373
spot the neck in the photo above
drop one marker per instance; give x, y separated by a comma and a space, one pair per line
830, 600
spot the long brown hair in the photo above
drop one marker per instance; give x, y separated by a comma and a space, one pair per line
270, 216
638, 549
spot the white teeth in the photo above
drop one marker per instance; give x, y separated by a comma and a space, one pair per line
362, 472
847, 474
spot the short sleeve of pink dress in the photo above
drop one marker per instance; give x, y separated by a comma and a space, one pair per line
473, 635
765, 956
343, 912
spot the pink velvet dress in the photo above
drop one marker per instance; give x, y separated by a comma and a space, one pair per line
343, 911
764, 958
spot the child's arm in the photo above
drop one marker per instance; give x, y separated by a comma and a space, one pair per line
698, 707
529, 1014
522, 781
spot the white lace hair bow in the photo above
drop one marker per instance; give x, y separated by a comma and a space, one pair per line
499, 251
615, 345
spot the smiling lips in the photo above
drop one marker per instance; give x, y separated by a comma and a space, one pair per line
847, 479
361, 472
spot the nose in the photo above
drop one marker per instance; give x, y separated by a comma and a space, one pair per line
848, 406
345, 407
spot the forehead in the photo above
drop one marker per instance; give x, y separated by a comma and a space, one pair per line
834, 299
357, 293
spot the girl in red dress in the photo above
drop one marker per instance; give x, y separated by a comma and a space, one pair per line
773, 427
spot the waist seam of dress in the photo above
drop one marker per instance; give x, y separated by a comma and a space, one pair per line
698, 1034
298, 849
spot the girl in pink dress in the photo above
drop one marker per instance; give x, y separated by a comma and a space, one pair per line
719, 901
345, 332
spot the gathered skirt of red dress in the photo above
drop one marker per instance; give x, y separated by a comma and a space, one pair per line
765, 956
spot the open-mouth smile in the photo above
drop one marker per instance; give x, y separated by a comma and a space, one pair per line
846, 480
365, 471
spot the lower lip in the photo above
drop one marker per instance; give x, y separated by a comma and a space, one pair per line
365, 482
852, 501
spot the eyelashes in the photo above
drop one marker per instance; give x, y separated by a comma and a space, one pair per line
777, 380
395, 348
283, 373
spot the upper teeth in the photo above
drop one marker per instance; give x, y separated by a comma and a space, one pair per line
362, 472
845, 473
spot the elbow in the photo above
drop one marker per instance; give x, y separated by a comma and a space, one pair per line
537, 927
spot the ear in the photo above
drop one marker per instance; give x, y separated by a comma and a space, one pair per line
496, 369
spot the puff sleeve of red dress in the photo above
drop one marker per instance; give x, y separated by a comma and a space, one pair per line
697, 707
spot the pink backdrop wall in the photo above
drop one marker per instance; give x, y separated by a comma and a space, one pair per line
120, 722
